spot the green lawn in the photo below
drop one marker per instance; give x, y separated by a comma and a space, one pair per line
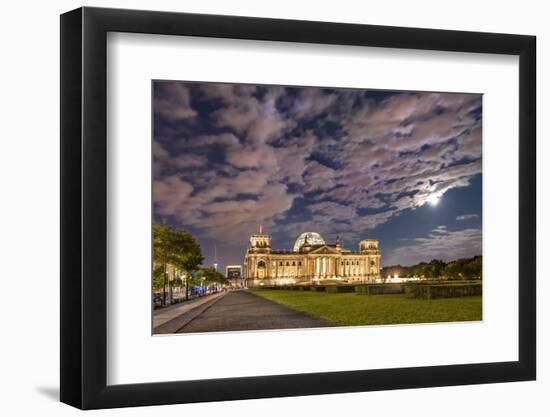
350, 309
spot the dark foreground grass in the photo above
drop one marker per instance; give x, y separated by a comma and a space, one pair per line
358, 310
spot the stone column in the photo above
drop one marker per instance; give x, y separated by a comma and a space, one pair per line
317, 267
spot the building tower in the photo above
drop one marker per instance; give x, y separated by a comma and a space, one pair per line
369, 247
257, 255
215, 264
260, 242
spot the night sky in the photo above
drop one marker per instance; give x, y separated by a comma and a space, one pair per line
400, 167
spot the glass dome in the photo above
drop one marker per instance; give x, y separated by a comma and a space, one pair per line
312, 239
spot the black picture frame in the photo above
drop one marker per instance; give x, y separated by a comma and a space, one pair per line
84, 207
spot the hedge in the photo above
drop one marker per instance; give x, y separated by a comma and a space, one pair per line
442, 290
380, 289
443, 281
339, 288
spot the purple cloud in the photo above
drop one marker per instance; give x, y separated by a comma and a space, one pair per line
439, 244
339, 152
173, 101
467, 217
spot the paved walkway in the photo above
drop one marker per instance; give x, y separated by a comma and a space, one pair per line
241, 310
166, 314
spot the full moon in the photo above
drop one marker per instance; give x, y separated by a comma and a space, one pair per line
433, 199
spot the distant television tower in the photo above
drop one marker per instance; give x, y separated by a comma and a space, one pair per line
215, 258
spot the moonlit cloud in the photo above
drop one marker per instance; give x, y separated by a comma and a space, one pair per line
439, 244
467, 217
172, 101
338, 161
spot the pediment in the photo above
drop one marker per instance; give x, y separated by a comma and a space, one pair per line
324, 250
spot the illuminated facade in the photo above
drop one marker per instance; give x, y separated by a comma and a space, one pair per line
311, 261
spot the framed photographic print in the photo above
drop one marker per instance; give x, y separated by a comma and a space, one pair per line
308, 207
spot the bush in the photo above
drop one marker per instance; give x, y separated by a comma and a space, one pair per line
319, 288
429, 292
339, 288
380, 289
443, 281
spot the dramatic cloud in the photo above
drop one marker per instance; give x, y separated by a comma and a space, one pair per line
439, 244
172, 101
338, 161
467, 217
170, 193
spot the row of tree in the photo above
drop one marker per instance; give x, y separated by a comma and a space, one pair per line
464, 268
177, 262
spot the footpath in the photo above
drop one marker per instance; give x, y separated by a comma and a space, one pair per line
171, 319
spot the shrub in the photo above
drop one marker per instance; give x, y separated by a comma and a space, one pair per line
339, 288
443, 281
380, 289
443, 290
